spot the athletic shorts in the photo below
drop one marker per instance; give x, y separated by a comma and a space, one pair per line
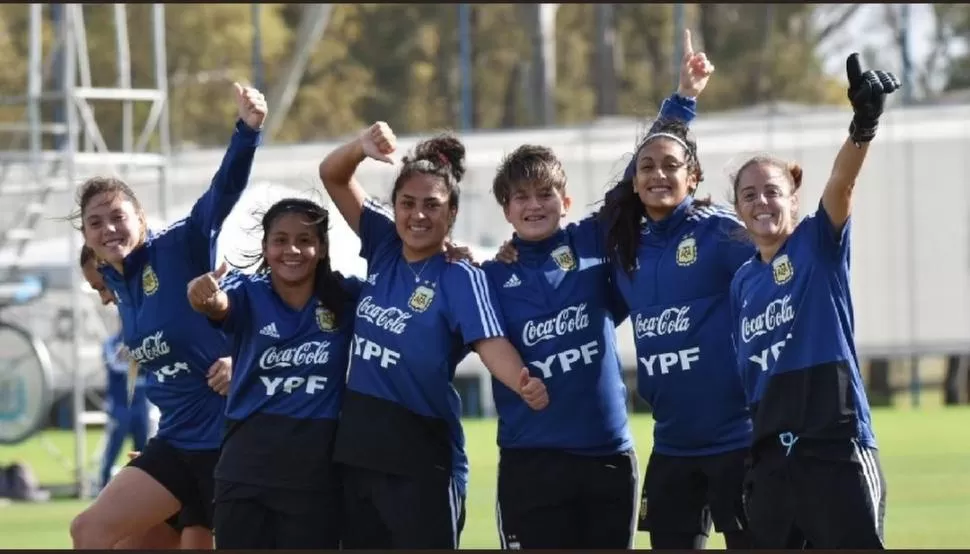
387, 511
264, 518
803, 500
554, 499
187, 474
686, 494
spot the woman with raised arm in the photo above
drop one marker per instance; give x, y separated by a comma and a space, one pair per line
815, 476
400, 437
172, 344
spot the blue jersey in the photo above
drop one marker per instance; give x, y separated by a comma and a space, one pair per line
172, 343
287, 362
116, 391
290, 370
414, 323
559, 313
678, 300
793, 326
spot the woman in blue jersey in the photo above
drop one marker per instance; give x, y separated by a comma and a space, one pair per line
567, 475
673, 258
291, 323
147, 273
815, 476
400, 439
172, 534
695, 472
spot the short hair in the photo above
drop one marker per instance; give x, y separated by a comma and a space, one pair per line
528, 164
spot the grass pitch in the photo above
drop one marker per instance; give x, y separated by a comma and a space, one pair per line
925, 455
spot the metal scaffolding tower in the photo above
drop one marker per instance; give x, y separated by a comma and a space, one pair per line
38, 172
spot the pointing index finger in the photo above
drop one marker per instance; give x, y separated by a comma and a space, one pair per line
688, 45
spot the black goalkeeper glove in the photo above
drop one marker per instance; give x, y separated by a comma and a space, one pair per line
867, 93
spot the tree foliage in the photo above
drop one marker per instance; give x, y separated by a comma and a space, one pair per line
400, 62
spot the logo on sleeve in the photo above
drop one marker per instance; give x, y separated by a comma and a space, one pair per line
687, 251
563, 256
421, 298
782, 269
149, 281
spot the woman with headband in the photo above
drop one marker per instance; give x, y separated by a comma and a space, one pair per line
673, 259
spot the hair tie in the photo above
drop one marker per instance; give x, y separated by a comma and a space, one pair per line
443, 160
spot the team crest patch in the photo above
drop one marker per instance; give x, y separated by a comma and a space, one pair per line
687, 251
782, 269
149, 281
325, 319
563, 256
421, 298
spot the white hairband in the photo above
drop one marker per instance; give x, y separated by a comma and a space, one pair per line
674, 138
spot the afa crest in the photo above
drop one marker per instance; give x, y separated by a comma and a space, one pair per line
421, 298
782, 269
149, 281
563, 256
326, 321
687, 251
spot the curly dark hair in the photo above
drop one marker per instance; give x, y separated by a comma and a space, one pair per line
442, 156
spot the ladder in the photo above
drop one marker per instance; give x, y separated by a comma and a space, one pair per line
40, 173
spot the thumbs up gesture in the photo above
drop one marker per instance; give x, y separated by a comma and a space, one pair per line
204, 291
867, 93
533, 390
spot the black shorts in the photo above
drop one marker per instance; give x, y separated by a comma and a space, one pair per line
685, 494
554, 499
820, 502
257, 517
385, 511
187, 474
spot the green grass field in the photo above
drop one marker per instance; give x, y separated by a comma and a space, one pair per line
925, 455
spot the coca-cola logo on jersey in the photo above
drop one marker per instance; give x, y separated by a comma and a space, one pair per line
152, 347
668, 322
389, 319
776, 314
312, 352
573, 318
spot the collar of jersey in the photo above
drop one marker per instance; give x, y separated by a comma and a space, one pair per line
538, 251
670, 223
133, 262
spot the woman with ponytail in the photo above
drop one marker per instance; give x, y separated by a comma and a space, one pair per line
291, 325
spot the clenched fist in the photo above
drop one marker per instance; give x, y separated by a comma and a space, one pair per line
533, 390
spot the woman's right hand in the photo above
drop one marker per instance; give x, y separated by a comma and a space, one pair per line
378, 142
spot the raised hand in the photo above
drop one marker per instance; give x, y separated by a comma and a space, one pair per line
533, 390
867, 94
695, 70
379, 142
252, 106
203, 291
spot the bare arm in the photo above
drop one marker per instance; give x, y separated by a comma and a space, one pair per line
837, 197
504, 362
338, 168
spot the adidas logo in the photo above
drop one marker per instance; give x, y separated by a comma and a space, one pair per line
270, 331
512, 282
